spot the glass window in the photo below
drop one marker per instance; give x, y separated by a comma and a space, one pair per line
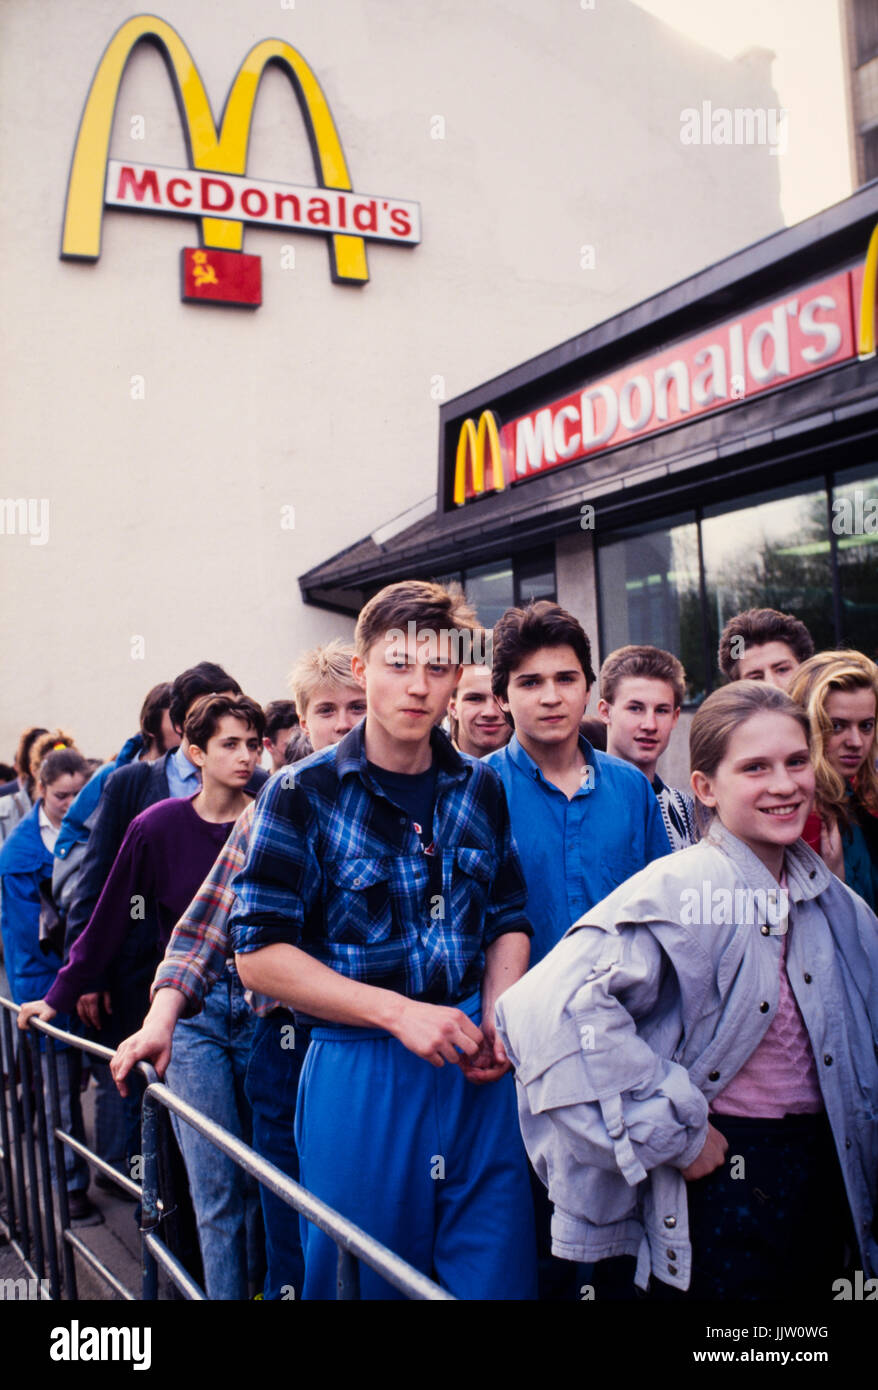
772, 551
535, 576
855, 523
865, 26
870, 155
490, 590
649, 594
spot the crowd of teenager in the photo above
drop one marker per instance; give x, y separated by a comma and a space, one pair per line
466, 966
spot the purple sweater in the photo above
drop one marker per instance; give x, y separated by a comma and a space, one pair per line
165, 857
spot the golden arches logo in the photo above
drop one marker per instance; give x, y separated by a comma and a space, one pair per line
209, 151
472, 444
866, 342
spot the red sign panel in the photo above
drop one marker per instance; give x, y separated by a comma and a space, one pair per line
224, 277
784, 340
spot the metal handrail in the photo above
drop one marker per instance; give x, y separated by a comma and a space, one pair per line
34, 1235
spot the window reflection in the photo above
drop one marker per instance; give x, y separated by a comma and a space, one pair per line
506, 583
855, 523
649, 593
535, 577
772, 551
489, 589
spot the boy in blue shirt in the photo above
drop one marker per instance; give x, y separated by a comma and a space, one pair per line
382, 900
583, 821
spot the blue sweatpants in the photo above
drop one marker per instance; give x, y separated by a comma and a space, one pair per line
420, 1158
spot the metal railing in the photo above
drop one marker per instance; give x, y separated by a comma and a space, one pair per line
37, 1221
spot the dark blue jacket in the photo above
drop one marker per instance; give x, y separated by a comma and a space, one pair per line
73, 827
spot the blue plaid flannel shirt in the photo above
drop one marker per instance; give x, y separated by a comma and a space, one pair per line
337, 869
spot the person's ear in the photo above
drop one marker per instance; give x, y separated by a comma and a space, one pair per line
604, 711
676, 716
196, 755
358, 671
703, 788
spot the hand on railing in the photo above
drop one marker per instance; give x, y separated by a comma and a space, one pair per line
37, 1008
152, 1041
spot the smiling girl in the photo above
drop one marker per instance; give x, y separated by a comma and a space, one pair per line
699, 1088
839, 692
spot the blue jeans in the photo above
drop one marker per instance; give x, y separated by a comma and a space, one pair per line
209, 1059
111, 1118
272, 1084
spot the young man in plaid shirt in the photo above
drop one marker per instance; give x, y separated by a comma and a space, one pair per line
383, 900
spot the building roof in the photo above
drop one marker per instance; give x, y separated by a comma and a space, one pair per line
777, 430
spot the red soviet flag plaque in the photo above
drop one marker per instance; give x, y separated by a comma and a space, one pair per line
221, 277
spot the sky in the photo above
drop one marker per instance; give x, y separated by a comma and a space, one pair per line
808, 75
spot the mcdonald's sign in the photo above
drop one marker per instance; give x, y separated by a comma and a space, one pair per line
820, 325
215, 188
473, 444
866, 333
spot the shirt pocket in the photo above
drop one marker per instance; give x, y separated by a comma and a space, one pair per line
472, 879
358, 904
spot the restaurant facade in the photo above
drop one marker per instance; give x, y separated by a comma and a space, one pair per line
258, 261
710, 449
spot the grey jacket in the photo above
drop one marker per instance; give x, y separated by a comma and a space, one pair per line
14, 806
645, 1011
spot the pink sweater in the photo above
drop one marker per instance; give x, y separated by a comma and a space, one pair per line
780, 1077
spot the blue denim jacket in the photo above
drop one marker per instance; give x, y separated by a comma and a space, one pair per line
645, 1011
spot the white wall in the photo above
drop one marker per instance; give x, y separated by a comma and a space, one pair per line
561, 129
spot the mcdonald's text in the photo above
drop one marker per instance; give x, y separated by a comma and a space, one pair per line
812, 328
753, 353
185, 192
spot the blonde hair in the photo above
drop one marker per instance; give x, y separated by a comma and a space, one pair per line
721, 714
814, 682
329, 664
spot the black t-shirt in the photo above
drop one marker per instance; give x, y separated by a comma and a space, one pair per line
414, 793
